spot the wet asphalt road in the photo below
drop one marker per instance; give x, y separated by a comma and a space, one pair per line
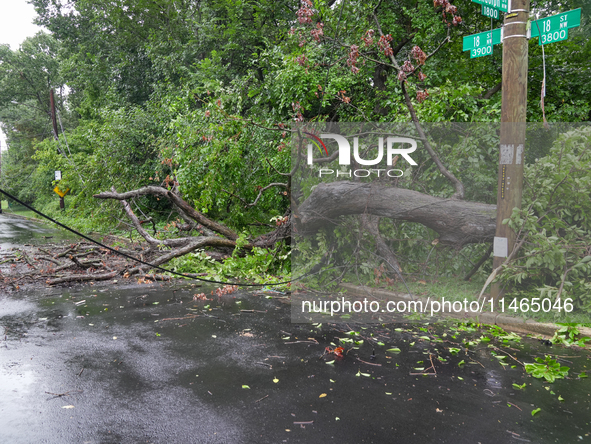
146, 364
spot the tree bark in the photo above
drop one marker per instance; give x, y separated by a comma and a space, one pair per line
457, 222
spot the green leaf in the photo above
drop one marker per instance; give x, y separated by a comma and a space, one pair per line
533, 412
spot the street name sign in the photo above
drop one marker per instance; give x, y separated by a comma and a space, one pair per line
491, 12
555, 28
481, 44
501, 5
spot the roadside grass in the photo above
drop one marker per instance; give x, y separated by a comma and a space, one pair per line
18, 210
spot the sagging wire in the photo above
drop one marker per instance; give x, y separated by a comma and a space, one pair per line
543, 90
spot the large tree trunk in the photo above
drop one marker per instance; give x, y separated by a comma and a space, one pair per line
457, 222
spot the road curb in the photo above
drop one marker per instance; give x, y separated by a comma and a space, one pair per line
506, 322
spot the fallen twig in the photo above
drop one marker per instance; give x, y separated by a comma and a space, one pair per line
369, 363
302, 342
189, 316
517, 407
59, 395
48, 259
261, 399
83, 277
508, 354
264, 363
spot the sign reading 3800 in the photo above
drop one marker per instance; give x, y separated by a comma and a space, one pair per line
555, 28
481, 44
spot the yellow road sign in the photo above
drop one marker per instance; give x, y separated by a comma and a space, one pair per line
59, 192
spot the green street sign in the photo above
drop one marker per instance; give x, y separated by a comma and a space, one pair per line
555, 28
481, 44
490, 12
501, 5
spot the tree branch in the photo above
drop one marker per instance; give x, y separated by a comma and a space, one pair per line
491, 92
459, 193
188, 209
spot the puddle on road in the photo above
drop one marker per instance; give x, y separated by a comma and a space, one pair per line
147, 363
15, 232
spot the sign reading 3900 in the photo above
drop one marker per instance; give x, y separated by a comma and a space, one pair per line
480, 52
481, 44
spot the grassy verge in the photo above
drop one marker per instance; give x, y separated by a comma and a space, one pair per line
18, 210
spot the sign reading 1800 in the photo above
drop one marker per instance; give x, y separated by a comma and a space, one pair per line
501, 5
555, 28
481, 44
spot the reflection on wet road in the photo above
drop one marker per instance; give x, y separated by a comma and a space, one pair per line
15, 231
146, 364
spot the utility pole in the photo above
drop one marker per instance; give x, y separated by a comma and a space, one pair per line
55, 133
0, 175
513, 126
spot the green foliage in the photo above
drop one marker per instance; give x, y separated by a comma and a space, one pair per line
261, 266
568, 335
556, 259
547, 368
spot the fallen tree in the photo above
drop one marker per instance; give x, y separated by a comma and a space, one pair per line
212, 234
457, 222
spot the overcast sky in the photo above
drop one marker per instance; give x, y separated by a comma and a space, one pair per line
16, 24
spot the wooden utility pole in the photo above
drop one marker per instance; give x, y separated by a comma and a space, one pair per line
1, 176
55, 133
513, 125
53, 116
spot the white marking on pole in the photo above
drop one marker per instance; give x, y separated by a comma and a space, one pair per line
507, 154
500, 247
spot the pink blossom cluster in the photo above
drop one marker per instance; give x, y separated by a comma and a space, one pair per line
301, 60
448, 10
226, 289
318, 32
342, 97
297, 108
368, 37
305, 13
384, 45
422, 96
407, 67
352, 60
418, 54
